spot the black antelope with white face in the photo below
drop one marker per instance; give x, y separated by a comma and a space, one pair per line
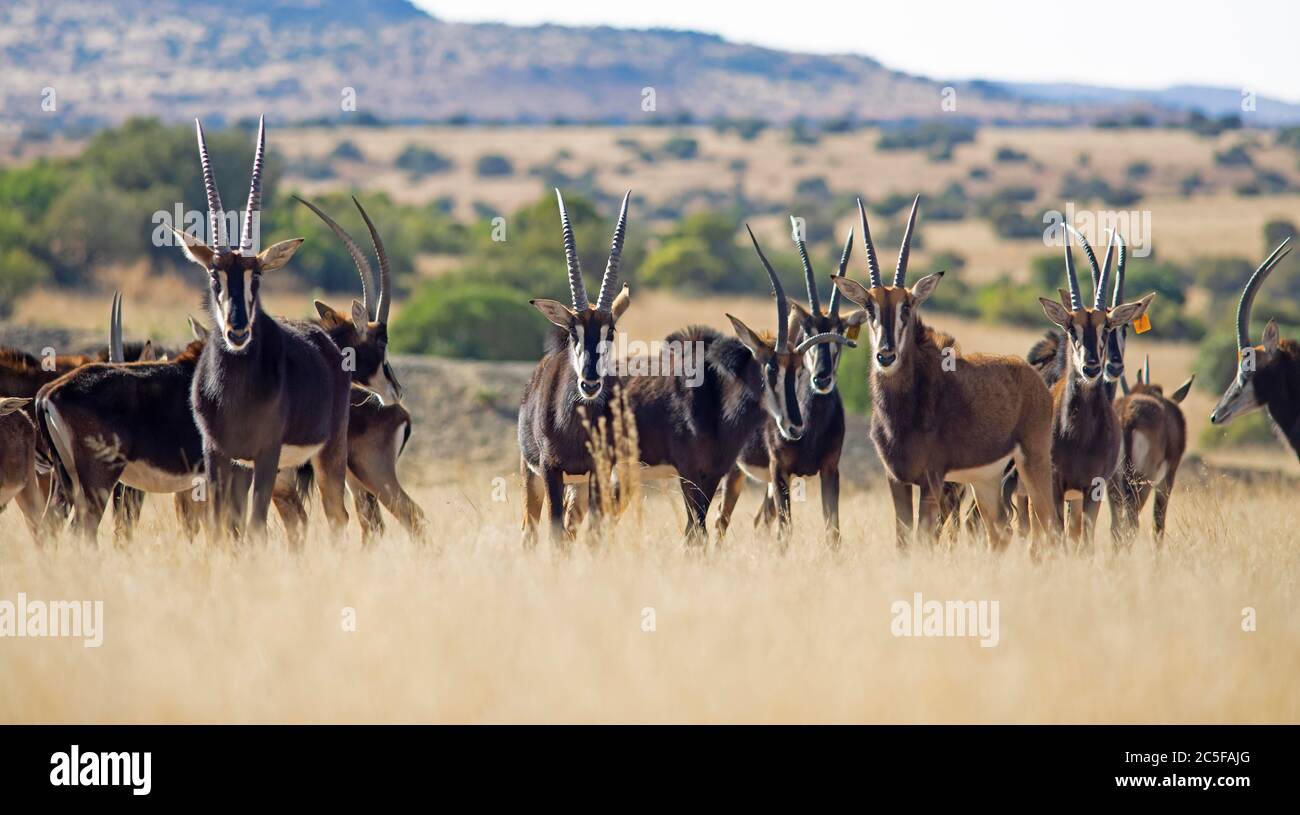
1268, 374
698, 429
939, 415
772, 459
267, 393
1085, 429
572, 376
365, 330
1154, 434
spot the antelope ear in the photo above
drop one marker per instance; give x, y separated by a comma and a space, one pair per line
196, 250
925, 287
621, 302
1055, 312
1181, 394
1128, 312
798, 314
360, 317
797, 310
11, 403
749, 339
1065, 297
1271, 337
851, 289
556, 312
275, 256
327, 313
856, 319
147, 353
198, 329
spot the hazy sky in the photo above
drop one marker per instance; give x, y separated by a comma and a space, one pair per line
1251, 44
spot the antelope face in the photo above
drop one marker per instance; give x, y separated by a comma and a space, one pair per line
890, 315
233, 283
1241, 396
591, 339
779, 372
367, 340
1114, 369
822, 360
1089, 332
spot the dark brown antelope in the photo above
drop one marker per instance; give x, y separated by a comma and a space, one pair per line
940, 415
572, 382
1154, 436
268, 393
773, 460
1085, 429
18, 464
1268, 374
699, 429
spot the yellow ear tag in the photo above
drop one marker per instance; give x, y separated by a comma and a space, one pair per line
852, 333
1142, 324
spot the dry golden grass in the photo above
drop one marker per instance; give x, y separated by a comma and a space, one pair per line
473, 629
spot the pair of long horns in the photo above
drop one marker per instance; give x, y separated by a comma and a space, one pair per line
1100, 273
783, 308
609, 282
376, 308
216, 214
810, 280
904, 251
1252, 287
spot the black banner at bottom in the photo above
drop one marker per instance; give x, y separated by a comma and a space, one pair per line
331, 763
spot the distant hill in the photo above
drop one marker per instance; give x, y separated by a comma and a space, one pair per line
294, 60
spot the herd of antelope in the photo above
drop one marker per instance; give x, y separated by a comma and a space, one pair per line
270, 408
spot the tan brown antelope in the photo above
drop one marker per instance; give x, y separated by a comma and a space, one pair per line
1154, 435
268, 393
18, 464
378, 425
1085, 429
773, 460
1268, 374
939, 415
572, 381
699, 429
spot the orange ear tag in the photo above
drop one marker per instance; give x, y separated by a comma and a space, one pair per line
852, 333
1142, 324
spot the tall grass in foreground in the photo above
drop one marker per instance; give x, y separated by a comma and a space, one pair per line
476, 629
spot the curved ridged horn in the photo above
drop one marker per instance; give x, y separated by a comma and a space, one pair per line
826, 336
900, 272
609, 283
1146, 369
834, 308
116, 350
1120, 265
782, 305
1252, 287
385, 272
1099, 294
216, 215
1092, 260
808, 278
363, 265
1076, 302
254, 189
577, 291
873, 265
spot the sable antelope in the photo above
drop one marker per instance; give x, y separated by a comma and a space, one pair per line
267, 393
1085, 429
939, 415
770, 458
129, 423
1154, 435
378, 425
1268, 374
18, 463
700, 431
571, 380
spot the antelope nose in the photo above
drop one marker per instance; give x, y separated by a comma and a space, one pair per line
1114, 371
589, 388
237, 336
822, 381
886, 359
793, 432
1092, 371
